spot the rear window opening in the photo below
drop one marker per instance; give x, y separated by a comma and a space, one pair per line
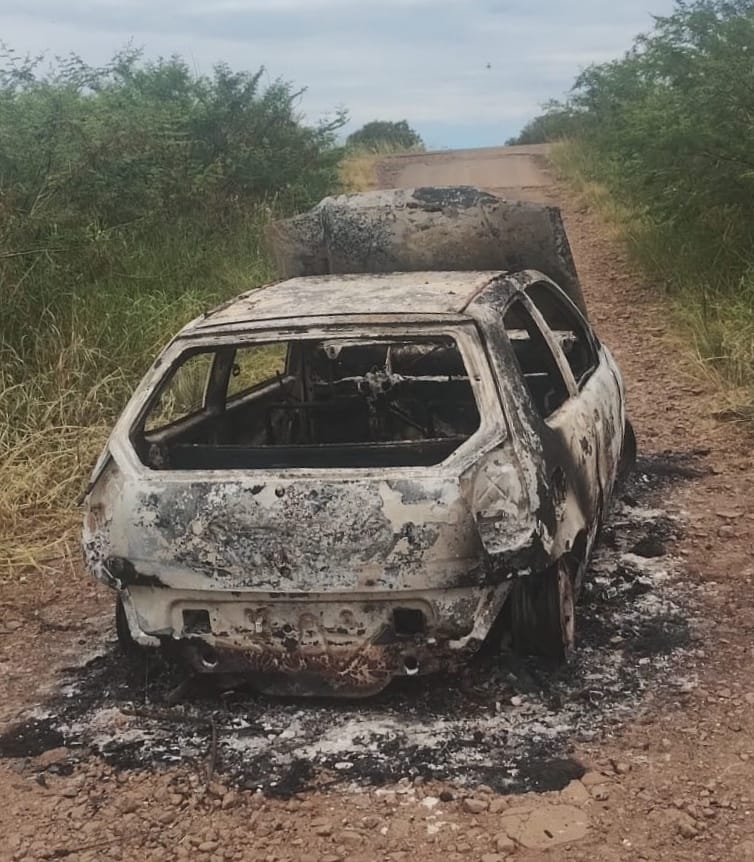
347, 402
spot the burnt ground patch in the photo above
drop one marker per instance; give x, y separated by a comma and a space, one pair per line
505, 722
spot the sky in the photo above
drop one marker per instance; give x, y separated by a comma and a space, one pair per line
462, 72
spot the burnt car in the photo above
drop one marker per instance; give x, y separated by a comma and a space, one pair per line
339, 479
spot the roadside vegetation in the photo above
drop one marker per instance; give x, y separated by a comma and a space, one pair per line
662, 142
371, 143
132, 197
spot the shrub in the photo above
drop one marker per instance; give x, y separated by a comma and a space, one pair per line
382, 135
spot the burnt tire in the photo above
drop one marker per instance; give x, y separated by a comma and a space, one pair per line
127, 644
543, 613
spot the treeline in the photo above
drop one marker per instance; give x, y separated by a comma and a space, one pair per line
669, 128
96, 163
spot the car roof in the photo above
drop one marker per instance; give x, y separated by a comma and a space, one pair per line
401, 293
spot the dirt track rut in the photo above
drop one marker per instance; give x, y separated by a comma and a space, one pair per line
666, 772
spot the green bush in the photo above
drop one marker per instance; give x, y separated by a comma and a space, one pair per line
385, 136
556, 123
126, 185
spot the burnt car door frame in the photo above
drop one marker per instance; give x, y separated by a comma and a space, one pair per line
569, 507
598, 388
578, 422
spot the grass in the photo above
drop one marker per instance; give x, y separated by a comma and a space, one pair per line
712, 301
358, 170
68, 366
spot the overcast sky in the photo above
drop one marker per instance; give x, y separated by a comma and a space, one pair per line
422, 60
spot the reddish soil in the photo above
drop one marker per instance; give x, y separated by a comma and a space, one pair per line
675, 781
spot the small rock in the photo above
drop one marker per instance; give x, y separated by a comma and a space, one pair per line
323, 830
546, 826
575, 793
504, 843
498, 804
492, 857
350, 836
54, 755
230, 800
446, 796
474, 806
744, 852
686, 829
592, 778
649, 548
600, 792
208, 846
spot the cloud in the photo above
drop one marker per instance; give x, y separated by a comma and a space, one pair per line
423, 60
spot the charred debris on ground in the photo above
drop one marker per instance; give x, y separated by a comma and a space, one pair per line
506, 722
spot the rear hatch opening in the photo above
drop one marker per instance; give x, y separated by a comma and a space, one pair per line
344, 402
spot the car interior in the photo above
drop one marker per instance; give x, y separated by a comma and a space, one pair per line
311, 403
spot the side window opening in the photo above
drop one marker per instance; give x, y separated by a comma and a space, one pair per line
567, 328
183, 394
341, 402
535, 359
255, 366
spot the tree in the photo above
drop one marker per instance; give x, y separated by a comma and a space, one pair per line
558, 121
386, 135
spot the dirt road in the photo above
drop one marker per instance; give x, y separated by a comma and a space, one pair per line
513, 172
643, 749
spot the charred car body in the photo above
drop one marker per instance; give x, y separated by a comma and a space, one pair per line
341, 478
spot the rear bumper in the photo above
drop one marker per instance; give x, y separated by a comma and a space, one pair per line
342, 644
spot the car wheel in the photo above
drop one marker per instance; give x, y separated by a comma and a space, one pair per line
128, 645
543, 613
